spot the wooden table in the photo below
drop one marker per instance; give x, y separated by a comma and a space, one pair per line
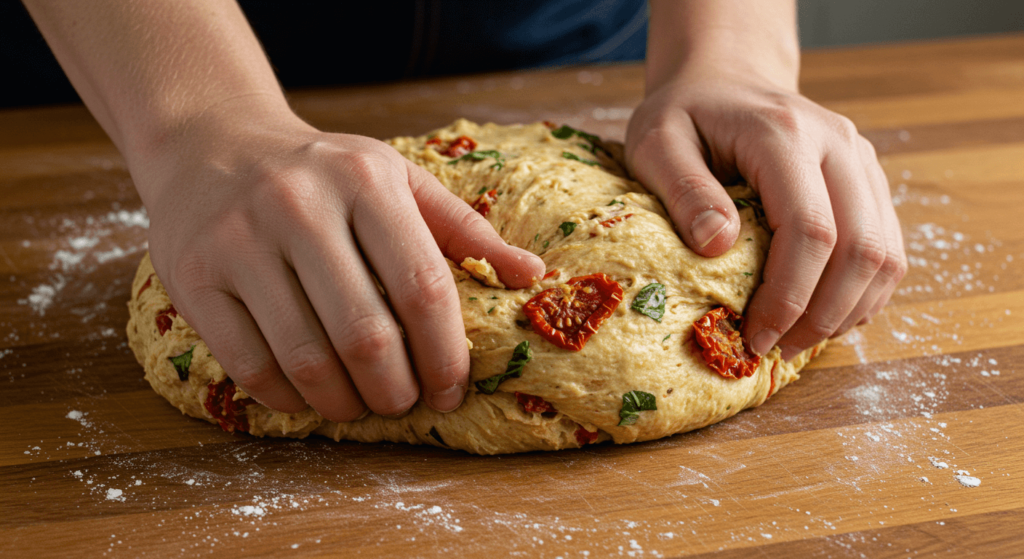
861, 456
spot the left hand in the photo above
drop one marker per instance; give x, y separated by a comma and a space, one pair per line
837, 250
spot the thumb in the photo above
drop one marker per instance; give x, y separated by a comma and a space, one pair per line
461, 232
669, 161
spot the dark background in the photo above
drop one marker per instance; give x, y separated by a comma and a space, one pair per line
31, 75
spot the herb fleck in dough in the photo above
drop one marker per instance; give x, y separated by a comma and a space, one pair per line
640, 376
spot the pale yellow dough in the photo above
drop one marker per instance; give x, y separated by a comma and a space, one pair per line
539, 189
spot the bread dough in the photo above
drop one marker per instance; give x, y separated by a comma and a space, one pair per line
537, 188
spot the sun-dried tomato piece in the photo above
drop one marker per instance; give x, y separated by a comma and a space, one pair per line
771, 386
456, 148
718, 332
550, 124
146, 285
228, 412
485, 201
552, 274
534, 404
568, 314
165, 319
585, 437
612, 222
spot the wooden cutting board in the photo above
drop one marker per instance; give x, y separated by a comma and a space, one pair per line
861, 456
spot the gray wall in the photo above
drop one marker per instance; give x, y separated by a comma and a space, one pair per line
826, 23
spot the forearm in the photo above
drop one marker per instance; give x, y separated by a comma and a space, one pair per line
146, 70
746, 37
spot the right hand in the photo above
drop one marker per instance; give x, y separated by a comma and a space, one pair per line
269, 238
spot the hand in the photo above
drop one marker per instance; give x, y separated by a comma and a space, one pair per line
837, 251
270, 237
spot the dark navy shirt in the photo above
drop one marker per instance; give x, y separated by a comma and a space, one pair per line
347, 41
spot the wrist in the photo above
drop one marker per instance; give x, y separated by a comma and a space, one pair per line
755, 42
212, 135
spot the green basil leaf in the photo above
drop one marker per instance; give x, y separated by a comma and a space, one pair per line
564, 132
520, 356
499, 161
613, 202
651, 301
634, 402
182, 363
748, 274
567, 228
741, 203
665, 338
575, 157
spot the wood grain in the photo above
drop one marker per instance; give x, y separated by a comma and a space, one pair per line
847, 462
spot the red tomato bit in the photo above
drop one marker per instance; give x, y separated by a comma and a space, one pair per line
585, 437
771, 387
568, 314
456, 148
718, 332
228, 412
165, 319
612, 222
146, 285
534, 404
485, 201
552, 274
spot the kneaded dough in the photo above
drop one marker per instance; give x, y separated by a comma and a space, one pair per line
538, 188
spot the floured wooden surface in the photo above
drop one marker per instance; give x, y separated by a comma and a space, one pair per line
835, 465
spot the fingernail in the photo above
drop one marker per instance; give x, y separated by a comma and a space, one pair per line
707, 226
448, 400
399, 415
864, 321
365, 413
763, 341
789, 352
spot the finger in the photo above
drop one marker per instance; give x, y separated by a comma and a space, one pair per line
356, 318
895, 265
277, 303
858, 254
402, 251
669, 160
799, 212
236, 341
461, 232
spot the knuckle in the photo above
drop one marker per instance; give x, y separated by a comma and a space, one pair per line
895, 266
867, 149
427, 289
819, 329
454, 370
368, 165
256, 376
308, 365
785, 309
845, 128
817, 227
369, 338
396, 406
784, 118
192, 276
868, 252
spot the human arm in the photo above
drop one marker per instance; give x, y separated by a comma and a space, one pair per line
722, 103
267, 232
